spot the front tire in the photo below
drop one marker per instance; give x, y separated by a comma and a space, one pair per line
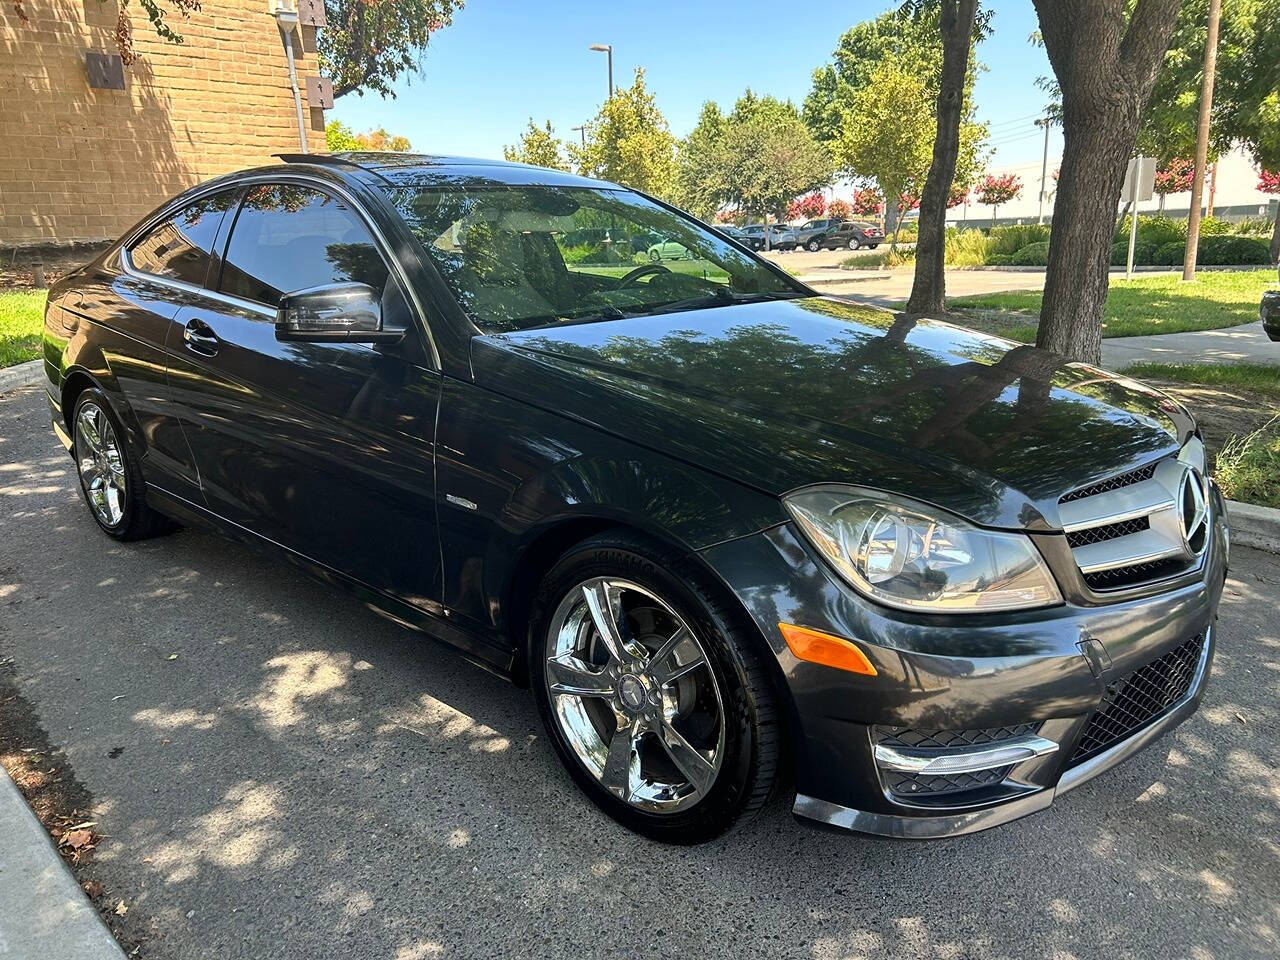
813, 246
110, 478
655, 699
854, 245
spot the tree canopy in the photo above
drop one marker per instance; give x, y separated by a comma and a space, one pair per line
339, 137
539, 147
369, 43
758, 158
1245, 98
629, 142
911, 40
888, 134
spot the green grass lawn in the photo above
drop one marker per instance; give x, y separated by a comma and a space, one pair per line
21, 320
1144, 305
1258, 377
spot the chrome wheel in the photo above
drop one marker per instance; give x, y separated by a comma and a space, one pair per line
633, 693
100, 463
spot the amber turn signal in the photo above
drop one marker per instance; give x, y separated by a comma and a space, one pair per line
830, 651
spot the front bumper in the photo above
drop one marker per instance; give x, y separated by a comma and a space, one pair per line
1044, 674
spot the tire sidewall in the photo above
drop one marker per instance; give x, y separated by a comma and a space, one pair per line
720, 808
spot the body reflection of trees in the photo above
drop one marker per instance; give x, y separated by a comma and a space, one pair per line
1001, 410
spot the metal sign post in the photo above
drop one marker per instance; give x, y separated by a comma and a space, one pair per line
1139, 184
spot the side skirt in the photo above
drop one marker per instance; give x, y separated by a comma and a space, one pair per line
485, 654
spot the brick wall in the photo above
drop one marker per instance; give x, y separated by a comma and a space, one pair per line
81, 164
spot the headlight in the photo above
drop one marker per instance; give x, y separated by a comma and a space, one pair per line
914, 557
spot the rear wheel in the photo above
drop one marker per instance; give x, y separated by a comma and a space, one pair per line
657, 704
110, 478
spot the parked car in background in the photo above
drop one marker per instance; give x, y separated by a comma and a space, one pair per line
781, 236
735, 536
848, 234
670, 250
1271, 313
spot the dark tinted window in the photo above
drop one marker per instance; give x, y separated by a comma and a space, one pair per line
288, 237
179, 247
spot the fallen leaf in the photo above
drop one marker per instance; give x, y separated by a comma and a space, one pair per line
147, 860
94, 889
173, 656
1241, 719
77, 839
118, 697
84, 826
121, 909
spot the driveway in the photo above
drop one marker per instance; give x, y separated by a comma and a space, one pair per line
277, 773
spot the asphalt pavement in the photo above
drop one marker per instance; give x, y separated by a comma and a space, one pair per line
278, 773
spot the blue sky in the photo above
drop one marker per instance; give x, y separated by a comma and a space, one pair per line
504, 61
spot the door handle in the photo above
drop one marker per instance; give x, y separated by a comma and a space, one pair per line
200, 338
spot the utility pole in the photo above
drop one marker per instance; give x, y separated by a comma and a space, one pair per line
1202, 140
1044, 166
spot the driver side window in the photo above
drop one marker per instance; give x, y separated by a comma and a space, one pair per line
290, 237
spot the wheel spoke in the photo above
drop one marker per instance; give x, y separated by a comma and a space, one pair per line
89, 434
568, 676
605, 605
690, 761
664, 670
617, 765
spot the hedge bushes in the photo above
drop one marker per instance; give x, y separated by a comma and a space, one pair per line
1161, 242
1032, 255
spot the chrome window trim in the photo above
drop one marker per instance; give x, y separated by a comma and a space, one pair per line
380, 239
251, 305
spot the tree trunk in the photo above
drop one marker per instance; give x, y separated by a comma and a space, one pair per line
1275, 239
1106, 65
928, 289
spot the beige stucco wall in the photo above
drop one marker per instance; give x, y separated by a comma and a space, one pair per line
83, 164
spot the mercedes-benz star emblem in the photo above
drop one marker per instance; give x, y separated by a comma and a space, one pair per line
1193, 512
632, 693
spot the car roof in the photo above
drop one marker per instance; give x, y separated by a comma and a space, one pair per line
421, 169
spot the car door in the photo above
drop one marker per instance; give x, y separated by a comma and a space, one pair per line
160, 271
324, 448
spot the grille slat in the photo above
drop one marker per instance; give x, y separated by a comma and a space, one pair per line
1131, 702
1109, 531
1112, 483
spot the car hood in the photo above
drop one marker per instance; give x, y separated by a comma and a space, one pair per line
783, 394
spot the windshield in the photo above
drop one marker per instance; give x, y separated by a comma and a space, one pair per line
521, 257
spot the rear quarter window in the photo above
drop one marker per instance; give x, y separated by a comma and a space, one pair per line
180, 247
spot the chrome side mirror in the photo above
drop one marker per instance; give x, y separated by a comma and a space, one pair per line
334, 313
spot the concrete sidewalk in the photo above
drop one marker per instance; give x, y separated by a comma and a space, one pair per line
44, 915
1246, 343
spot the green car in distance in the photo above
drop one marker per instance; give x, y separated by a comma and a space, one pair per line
670, 250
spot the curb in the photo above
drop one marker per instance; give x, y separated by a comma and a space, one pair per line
20, 375
44, 915
1254, 526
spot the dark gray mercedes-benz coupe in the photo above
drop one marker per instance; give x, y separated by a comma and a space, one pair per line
739, 538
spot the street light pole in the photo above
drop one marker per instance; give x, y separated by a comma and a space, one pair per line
1044, 166
606, 48
582, 130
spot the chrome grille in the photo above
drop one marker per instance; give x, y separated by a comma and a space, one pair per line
1141, 526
